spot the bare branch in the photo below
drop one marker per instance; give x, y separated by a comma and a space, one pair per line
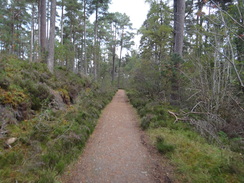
226, 13
196, 106
237, 103
176, 117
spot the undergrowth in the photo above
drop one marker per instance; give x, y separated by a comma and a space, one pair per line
51, 116
194, 157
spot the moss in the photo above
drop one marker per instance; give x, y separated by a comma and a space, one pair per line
4, 82
11, 158
196, 160
13, 97
39, 94
65, 96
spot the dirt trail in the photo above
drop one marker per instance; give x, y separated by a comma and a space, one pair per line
115, 152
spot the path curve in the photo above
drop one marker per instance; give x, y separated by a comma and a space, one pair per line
114, 152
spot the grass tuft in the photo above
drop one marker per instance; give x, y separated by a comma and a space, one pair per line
163, 147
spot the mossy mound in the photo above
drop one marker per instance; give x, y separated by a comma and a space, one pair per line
50, 115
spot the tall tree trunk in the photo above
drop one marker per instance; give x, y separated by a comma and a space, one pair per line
199, 27
74, 59
80, 59
207, 29
62, 23
84, 42
43, 36
18, 52
95, 44
179, 17
39, 26
47, 22
50, 59
11, 47
32, 33
239, 41
120, 58
114, 49
113, 65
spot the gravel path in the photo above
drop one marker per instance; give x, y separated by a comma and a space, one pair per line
115, 152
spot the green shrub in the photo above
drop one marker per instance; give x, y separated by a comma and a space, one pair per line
4, 82
237, 145
40, 95
51, 159
46, 177
146, 120
60, 166
10, 158
163, 147
160, 111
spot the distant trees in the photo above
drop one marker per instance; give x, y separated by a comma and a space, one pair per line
13, 20
151, 74
99, 7
60, 33
121, 37
156, 33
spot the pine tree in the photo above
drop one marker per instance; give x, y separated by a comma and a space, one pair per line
179, 17
100, 7
50, 60
43, 36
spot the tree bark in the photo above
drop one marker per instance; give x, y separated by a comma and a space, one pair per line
39, 26
47, 22
62, 23
43, 36
84, 42
50, 59
114, 50
179, 17
32, 32
95, 44
120, 58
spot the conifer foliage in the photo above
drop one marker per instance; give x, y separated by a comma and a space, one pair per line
61, 33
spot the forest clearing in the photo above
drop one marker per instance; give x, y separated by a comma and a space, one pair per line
81, 100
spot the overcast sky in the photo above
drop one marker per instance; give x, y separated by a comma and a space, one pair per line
136, 9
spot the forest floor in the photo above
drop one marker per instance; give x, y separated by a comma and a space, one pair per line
118, 151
